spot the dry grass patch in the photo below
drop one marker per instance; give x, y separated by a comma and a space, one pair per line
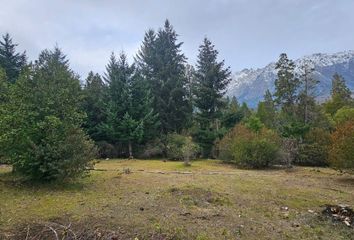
157, 200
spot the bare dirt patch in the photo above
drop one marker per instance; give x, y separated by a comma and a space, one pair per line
92, 229
196, 196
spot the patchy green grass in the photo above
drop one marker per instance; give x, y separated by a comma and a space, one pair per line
148, 199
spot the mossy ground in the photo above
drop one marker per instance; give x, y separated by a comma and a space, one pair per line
166, 200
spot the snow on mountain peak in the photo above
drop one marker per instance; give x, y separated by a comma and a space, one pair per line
249, 85
325, 59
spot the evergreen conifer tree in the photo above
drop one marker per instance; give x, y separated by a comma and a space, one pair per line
232, 113
211, 80
94, 104
340, 95
118, 76
142, 107
286, 85
10, 60
3, 86
130, 115
246, 112
266, 111
307, 96
40, 123
162, 64
339, 88
146, 57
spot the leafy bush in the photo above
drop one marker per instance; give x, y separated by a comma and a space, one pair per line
314, 150
257, 153
226, 143
181, 147
341, 153
254, 123
189, 150
344, 114
247, 148
50, 150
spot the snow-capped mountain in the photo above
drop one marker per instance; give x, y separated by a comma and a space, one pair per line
249, 85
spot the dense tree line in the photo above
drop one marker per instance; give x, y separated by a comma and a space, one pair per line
290, 127
160, 106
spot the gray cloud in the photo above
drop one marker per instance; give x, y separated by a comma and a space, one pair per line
247, 33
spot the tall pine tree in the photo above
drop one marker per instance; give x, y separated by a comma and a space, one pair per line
118, 75
232, 113
340, 95
211, 80
130, 116
339, 88
286, 85
286, 93
146, 57
94, 104
10, 60
308, 84
266, 110
163, 66
142, 107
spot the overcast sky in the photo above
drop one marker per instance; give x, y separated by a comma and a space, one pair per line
247, 33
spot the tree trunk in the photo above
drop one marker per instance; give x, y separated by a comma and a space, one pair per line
130, 150
306, 100
290, 149
306, 112
186, 161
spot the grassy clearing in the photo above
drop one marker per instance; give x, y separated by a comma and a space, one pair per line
166, 200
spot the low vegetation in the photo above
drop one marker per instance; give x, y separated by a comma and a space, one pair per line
250, 148
181, 147
314, 149
342, 150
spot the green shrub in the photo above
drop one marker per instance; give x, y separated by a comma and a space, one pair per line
314, 149
175, 143
181, 147
189, 150
341, 153
254, 123
51, 152
255, 153
344, 114
225, 146
247, 148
